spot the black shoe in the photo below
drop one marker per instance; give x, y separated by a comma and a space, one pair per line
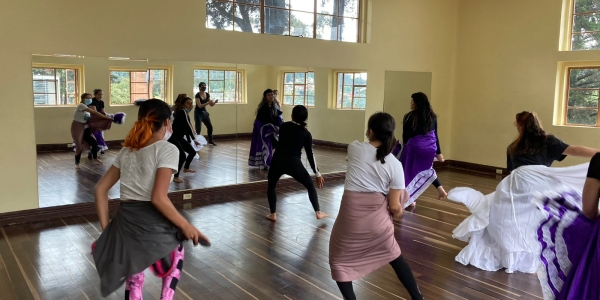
89, 155
212, 143
101, 152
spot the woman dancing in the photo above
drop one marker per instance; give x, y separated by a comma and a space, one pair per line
265, 132
293, 136
201, 115
374, 193
570, 239
420, 146
181, 131
80, 132
502, 227
147, 230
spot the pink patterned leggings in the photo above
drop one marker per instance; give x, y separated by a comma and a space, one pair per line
134, 284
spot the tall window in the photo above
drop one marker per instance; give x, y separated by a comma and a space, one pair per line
336, 20
585, 33
129, 86
351, 90
299, 88
583, 93
55, 86
222, 85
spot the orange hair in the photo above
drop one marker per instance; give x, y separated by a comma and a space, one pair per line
151, 115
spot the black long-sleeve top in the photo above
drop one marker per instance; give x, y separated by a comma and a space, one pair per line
408, 131
181, 126
292, 138
268, 114
552, 151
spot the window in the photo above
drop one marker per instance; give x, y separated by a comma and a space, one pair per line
56, 86
585, 22
223, 85
351, 91
582, 95
299, 88
129, 86
335, 20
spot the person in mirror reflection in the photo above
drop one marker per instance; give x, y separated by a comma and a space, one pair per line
502, 228
147, 230
293, 136
277, 104
182, 130
98, 105
201, 115
265, 132
420, 146
574, 250
80, 132
362, 239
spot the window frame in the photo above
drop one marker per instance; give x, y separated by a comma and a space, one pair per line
168, 81
568, 18
361, 29
567, 89
240, 79
283, 84
79, 81
336, 90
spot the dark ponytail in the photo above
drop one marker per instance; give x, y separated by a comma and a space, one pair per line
300, 115
383, 125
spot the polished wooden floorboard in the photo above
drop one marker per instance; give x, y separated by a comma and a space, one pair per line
226, 164
253, 258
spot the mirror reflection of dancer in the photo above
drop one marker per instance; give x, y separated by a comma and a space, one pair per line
293, 136
570, 239
421, 146
98, 105
147, 230
502, 228
265, 132
182, 130
201, 115
80, 132
362, 239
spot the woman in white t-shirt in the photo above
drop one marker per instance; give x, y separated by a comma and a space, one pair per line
147, 230
80, 132
362, 239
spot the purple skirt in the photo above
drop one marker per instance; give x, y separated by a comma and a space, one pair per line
570, 257
262, 146
417, 160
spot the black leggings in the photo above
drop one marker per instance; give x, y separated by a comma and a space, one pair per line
403, 272
184, 147
90, 140
203, 117
437, 183
293, 167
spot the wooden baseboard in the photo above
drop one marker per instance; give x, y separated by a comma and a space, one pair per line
328, 144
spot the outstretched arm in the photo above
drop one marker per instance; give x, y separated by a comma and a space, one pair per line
580, 151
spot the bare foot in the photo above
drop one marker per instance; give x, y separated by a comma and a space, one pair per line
413, 204
272, 217
177, 180
98, 161
77, 167
321, 215
189, 171
442, 193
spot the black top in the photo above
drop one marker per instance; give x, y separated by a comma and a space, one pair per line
268, 114
593, 169
181, 126
292, 138
552, 151
99, 104
202, 101
409, 132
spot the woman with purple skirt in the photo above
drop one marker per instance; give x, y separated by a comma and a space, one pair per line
420, 146
265, 133
570, 240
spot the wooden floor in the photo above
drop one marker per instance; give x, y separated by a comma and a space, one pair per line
60, 184
252, 258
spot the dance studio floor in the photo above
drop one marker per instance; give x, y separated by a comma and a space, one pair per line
252, 258
60, 184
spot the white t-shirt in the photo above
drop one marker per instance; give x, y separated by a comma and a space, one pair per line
138, 168
81, 115
366, 174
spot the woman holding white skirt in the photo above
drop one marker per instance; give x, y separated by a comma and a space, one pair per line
503, 224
